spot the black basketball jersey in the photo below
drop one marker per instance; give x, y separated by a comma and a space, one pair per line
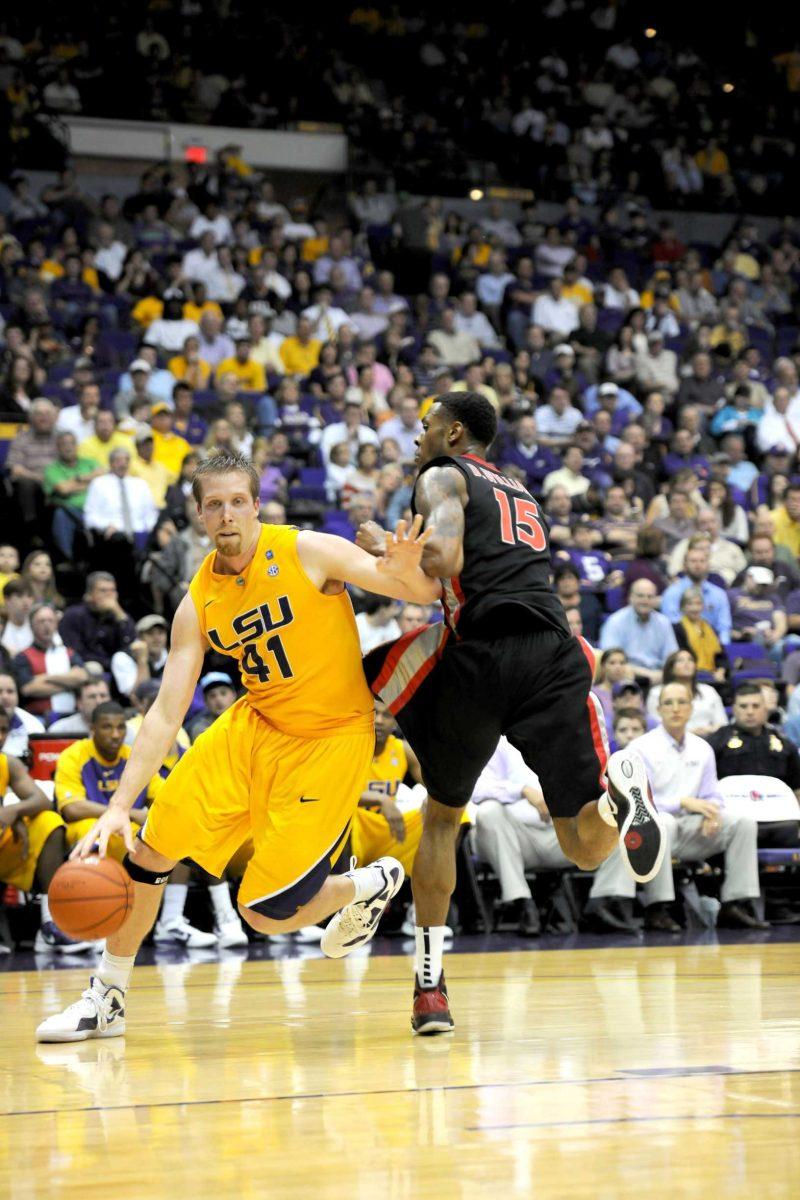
506, 572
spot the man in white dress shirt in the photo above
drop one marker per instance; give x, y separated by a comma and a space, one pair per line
118, 505
326, 318
78, 419
683, 776
200, 262
777, 426
352, 430
514, 831
553, 312
468, 319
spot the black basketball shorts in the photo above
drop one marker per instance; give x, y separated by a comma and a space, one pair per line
453, 700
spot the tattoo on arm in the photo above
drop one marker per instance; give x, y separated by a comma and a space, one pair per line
440, 498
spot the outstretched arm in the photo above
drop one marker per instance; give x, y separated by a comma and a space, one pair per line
330, 561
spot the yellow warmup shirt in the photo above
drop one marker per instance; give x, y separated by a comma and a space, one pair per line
82, 774
388, 768
6, 834
297, 649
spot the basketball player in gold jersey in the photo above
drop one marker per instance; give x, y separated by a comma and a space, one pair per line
285, 765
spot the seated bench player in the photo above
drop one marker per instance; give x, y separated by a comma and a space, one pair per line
379, 826
87, 776
32, 845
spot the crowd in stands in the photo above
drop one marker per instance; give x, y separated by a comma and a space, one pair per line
604, 99
647, 393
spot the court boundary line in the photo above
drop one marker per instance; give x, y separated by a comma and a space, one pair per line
692, 1073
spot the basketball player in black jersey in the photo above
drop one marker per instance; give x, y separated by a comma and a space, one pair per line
503, 662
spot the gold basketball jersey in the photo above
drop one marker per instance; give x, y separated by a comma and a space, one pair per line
297, 649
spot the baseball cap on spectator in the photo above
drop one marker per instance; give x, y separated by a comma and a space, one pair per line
161, 407
83, 364
720, 459
215, 679
655, 335
564, 348
778, 452
584, 427
151, 621
140, 364
625, 685
761, 575
608, 389
143, 434
357, 401
147, 688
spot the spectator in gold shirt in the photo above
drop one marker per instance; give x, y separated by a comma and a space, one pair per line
189, 367
157, 477
300, 354
249, 374
169, 448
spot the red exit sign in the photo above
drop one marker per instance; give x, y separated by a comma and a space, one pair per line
196, 154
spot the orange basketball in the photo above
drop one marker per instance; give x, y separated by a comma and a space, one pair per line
90, 897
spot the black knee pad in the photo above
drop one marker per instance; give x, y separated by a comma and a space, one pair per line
142, 875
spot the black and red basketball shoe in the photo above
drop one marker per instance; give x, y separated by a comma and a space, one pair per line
431, 1012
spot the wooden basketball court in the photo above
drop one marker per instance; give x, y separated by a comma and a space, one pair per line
590, 1073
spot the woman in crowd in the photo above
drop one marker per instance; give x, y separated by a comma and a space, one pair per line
621, 358
37, 571
219, 438
732, 517
647, 562
696, 635
273, 481
175, 503
363, 477
708, 711
325, 370
612, 668
18, 389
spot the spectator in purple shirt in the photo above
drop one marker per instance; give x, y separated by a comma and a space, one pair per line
681, 456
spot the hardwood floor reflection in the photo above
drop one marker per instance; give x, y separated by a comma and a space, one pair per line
647, 1073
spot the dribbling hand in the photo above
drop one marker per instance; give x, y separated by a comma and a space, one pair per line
112, 823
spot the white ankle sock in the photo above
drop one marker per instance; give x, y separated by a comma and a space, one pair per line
174, 899
430, 942
115, 970
220, 895
366, 881
604, 811
45, 907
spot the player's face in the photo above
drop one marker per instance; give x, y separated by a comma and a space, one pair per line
433, 440
109, 734
229, 513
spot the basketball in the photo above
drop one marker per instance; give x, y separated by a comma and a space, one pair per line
90, 897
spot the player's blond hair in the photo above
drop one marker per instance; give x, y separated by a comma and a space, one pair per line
225, 462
